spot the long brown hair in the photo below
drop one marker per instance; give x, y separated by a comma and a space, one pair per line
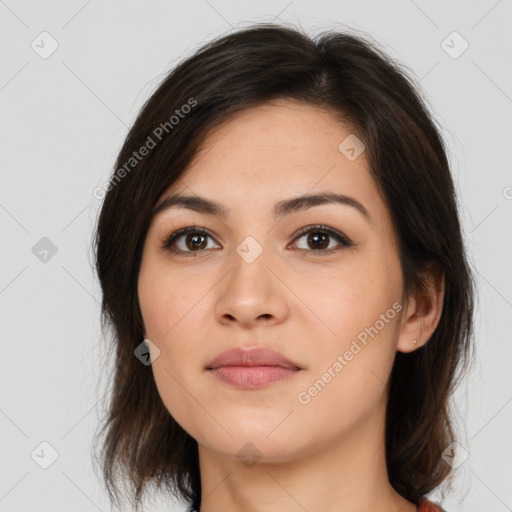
140, 441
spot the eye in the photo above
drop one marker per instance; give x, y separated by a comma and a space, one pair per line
194, 239
187, 241
319, 236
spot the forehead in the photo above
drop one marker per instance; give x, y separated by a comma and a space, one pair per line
275, 151
285, 128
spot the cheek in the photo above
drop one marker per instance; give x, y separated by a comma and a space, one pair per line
172, 322
173, 326
359, 312
346, 301
348, 376
164, 298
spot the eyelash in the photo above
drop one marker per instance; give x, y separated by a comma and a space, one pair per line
345, 242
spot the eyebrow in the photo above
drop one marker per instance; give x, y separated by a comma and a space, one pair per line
280, 209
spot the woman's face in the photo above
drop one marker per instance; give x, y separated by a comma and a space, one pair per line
255, 280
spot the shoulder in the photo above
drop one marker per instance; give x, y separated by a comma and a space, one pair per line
429, 506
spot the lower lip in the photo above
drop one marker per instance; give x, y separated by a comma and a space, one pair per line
252, 377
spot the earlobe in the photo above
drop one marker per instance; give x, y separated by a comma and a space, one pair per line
423, 312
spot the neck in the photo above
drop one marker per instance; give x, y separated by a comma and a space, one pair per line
347, 474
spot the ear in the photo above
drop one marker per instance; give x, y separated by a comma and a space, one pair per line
423, 310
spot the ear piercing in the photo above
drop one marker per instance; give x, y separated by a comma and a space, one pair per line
415, 341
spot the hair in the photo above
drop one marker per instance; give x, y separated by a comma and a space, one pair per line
358, 83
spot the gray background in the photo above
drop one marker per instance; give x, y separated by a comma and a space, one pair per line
63, 120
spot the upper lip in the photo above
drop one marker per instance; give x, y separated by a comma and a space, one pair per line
251, 357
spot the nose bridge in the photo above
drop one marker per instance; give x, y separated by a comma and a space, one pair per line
250, 276
250, 290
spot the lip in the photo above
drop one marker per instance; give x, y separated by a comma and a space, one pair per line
252, 369
252, 357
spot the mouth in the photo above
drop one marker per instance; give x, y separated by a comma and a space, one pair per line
252, 369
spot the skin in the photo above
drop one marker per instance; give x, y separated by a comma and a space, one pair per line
328, 454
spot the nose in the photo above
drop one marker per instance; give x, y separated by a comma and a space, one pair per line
252, 294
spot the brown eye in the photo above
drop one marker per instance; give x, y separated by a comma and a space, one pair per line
195, 241
318, 239
187, 240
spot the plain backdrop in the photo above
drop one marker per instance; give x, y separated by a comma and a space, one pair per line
73, 76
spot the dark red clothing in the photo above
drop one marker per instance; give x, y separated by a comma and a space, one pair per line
429, 506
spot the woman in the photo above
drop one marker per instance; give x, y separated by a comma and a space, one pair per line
283, 271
